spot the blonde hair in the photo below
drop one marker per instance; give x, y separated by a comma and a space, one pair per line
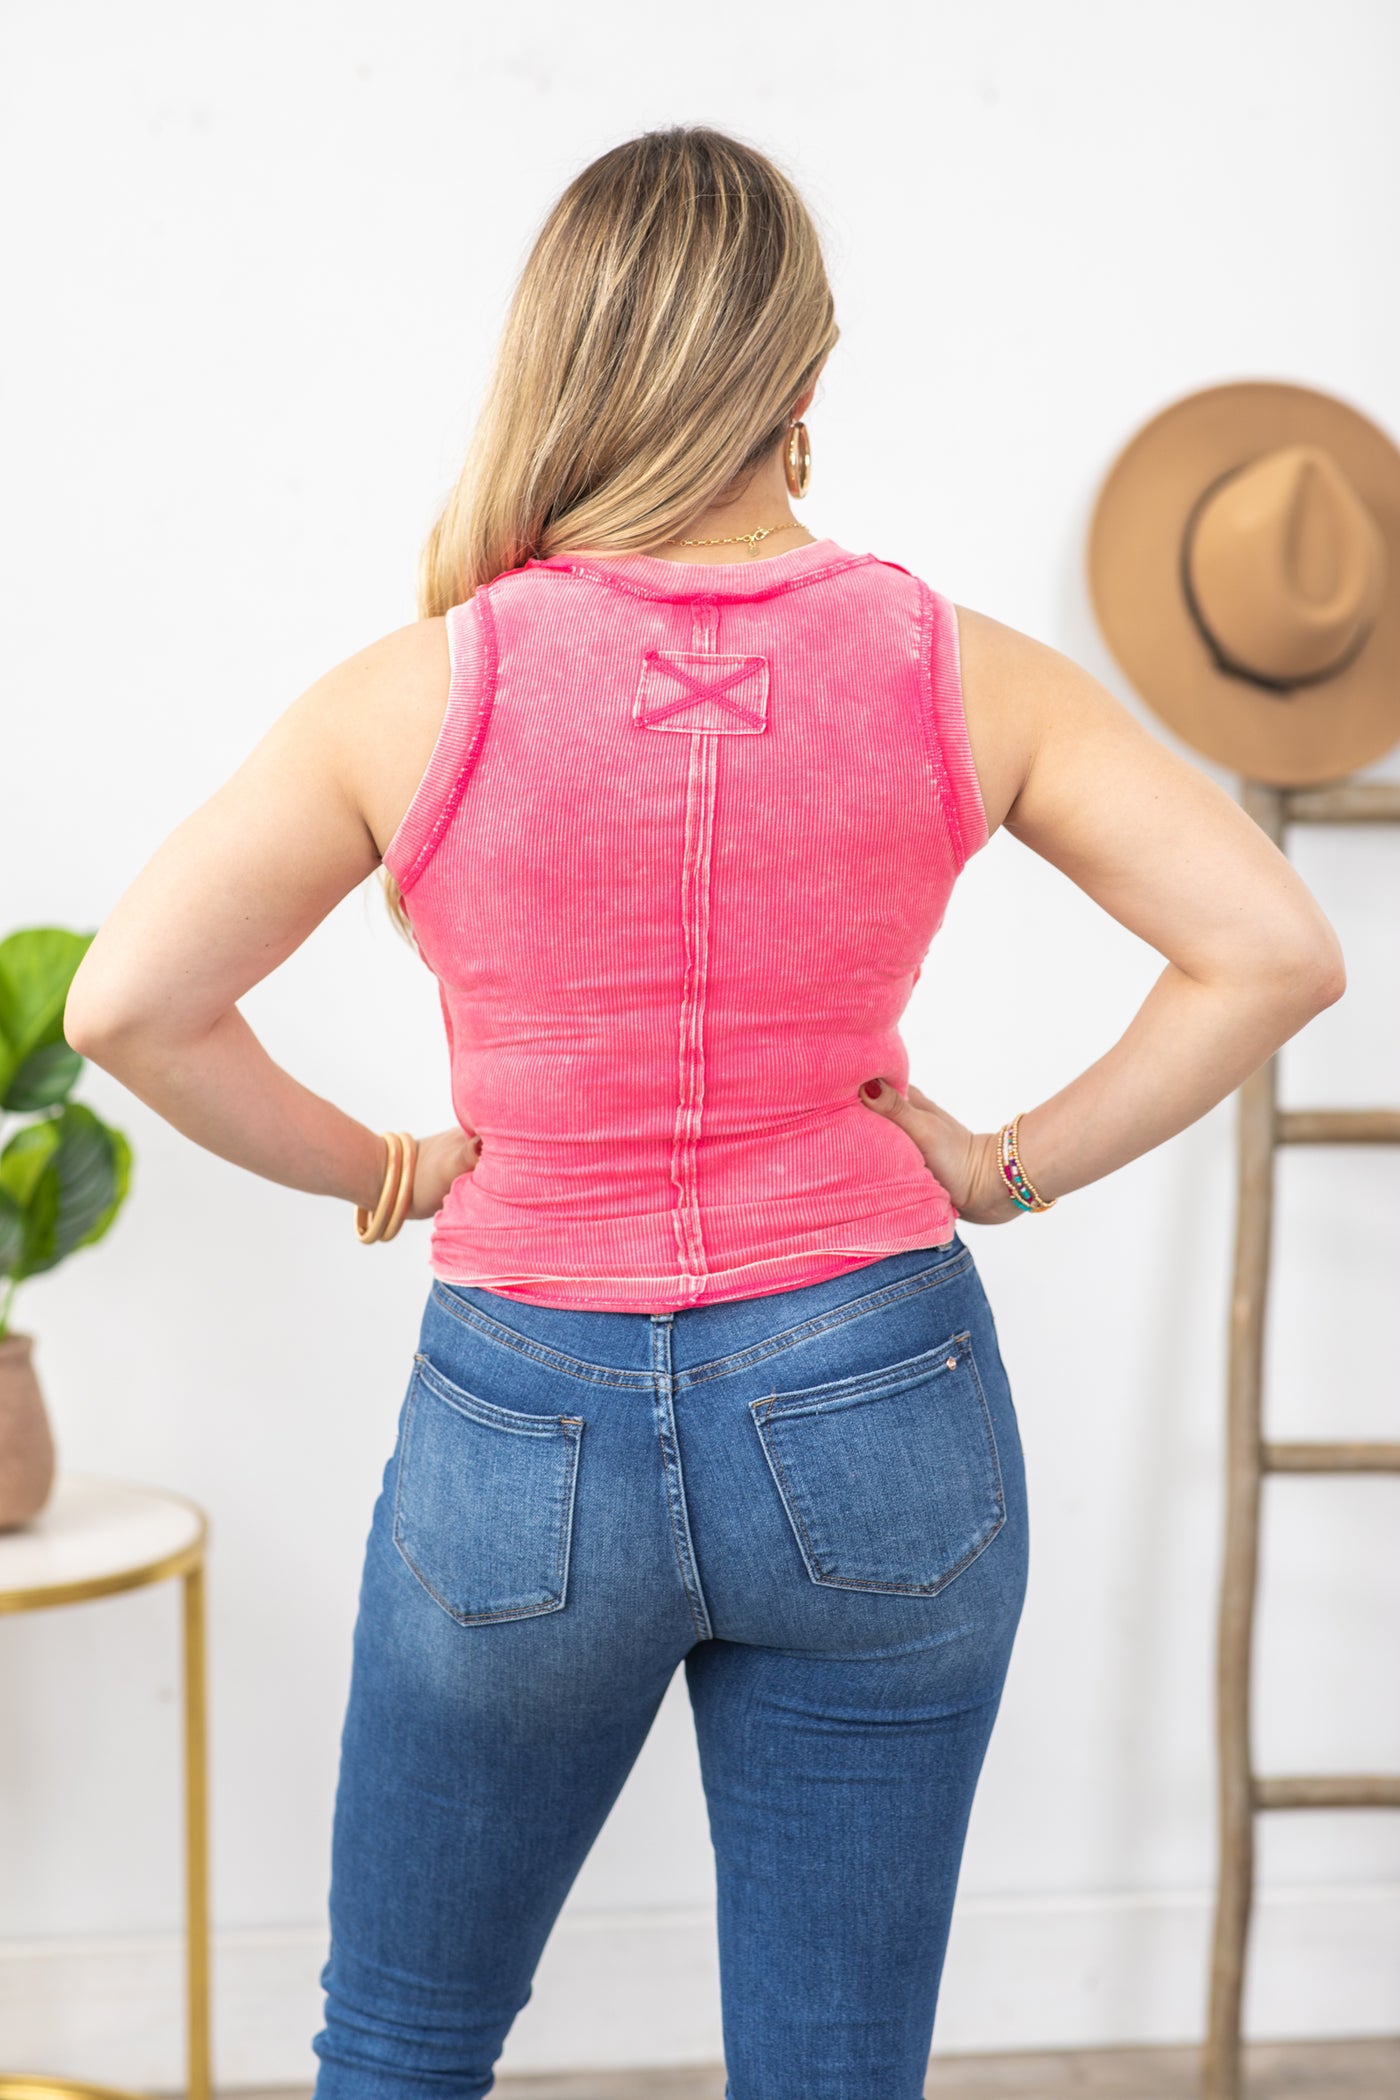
674, 306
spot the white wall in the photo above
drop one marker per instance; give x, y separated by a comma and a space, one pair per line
256, 259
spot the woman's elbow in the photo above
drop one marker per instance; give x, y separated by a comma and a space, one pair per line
1333, 982
100, 1019
92, 1028
1314, 975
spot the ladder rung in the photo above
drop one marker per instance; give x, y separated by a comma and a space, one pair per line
1330, 1790
1364, 802
1329, 1458
1337, 1126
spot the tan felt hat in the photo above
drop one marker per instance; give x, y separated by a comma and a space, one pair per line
1244, 565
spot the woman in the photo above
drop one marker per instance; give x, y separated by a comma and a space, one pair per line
671, 793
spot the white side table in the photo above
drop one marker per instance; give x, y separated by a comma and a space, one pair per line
95, 1537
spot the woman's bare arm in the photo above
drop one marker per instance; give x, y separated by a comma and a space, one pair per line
1250, 955
233, 892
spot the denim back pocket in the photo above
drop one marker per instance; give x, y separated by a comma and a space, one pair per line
484, 1501
890, 1480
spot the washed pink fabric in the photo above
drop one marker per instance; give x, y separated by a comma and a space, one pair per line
675, 862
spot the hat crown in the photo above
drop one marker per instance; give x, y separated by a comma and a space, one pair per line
1285, 566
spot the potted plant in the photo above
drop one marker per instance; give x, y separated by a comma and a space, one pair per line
63, 1178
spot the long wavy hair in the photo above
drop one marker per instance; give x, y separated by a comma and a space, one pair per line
673, 307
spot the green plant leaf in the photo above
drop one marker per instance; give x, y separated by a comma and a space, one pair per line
37, 966
120, 1185
11, 1232
46, 1076
24, 1159
69, 1175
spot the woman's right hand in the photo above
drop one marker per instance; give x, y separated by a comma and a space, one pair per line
442, 1159
964, 1161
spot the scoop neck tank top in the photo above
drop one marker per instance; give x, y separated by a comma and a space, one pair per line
675, 862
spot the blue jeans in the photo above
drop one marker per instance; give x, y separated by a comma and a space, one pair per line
815, 1500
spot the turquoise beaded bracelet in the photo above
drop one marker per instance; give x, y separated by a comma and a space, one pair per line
1023, 1194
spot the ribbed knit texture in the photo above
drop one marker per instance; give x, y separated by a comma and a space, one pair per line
680, 849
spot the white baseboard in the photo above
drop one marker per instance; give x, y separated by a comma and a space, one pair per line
618, 1989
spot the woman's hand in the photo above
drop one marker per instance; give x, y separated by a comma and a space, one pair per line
441, 1159
964, 1161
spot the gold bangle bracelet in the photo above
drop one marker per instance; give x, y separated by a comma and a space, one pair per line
369, 1226
404, 1194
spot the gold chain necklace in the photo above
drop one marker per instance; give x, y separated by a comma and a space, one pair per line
750, 538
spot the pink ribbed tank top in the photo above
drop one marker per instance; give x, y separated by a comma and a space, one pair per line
677, 856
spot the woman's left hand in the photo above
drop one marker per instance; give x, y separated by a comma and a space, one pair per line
964, 1161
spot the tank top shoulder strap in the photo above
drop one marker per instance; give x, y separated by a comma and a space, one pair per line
945, 718
471, 648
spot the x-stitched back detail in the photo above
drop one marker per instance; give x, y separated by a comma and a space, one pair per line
652, 707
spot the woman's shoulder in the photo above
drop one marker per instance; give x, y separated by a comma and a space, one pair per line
1014, 687
383, 707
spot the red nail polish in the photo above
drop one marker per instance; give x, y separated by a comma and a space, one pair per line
871, 1089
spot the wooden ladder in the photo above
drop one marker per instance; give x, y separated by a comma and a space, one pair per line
1262, 1127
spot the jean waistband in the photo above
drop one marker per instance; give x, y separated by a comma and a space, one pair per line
703, 1338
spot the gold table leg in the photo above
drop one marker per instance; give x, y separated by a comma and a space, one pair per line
196, 1839
25, 2085
187, 1562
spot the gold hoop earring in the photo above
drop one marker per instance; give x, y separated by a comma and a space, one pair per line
797, 459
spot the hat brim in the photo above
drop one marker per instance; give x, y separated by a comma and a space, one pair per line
1286, 739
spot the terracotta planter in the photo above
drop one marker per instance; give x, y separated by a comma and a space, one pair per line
26, 1441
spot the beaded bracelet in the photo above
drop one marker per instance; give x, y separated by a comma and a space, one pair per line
1023, 1194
